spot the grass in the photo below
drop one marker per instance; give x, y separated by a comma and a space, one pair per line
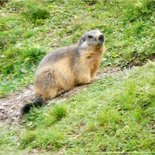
117, 117
115, 114
29, 29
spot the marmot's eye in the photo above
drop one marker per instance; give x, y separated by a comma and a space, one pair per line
90, 37
89, 57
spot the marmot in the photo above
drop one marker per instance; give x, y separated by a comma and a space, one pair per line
67, 67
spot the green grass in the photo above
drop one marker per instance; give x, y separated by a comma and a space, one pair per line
29, 29
115, 114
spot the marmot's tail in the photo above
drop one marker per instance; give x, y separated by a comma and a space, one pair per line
37, 102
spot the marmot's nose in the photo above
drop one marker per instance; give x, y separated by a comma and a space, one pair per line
101, 39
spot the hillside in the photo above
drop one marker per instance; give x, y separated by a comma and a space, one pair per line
115, 113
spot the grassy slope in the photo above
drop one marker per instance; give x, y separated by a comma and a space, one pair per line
31, 28
115, 113
118, 116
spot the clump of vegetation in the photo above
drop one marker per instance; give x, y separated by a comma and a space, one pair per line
39, 118
109, 116
141, 10
43, 139
36, 13
56, 114
28, 58
59, 112
90, 2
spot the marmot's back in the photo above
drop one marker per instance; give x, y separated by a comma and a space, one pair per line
57, 55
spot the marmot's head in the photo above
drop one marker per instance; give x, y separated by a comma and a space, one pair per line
91, 39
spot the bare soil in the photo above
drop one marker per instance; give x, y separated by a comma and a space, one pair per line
10, 106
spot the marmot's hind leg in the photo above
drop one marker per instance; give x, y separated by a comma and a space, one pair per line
45, 83
51, 93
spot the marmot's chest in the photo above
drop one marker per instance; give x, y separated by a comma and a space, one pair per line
94, 61
93, 58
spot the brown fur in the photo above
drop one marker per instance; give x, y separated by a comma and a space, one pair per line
65, 70
68, 67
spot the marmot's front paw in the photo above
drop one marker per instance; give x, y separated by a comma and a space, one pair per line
95, 78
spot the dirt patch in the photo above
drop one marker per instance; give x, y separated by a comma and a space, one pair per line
10, 106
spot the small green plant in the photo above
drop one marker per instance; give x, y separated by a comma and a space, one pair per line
28, 34
37, 118
28, 138
28, 57
59, 111
55, 114
36, 13
42, 139
140, 10
109, 116
90, 2
49, 120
